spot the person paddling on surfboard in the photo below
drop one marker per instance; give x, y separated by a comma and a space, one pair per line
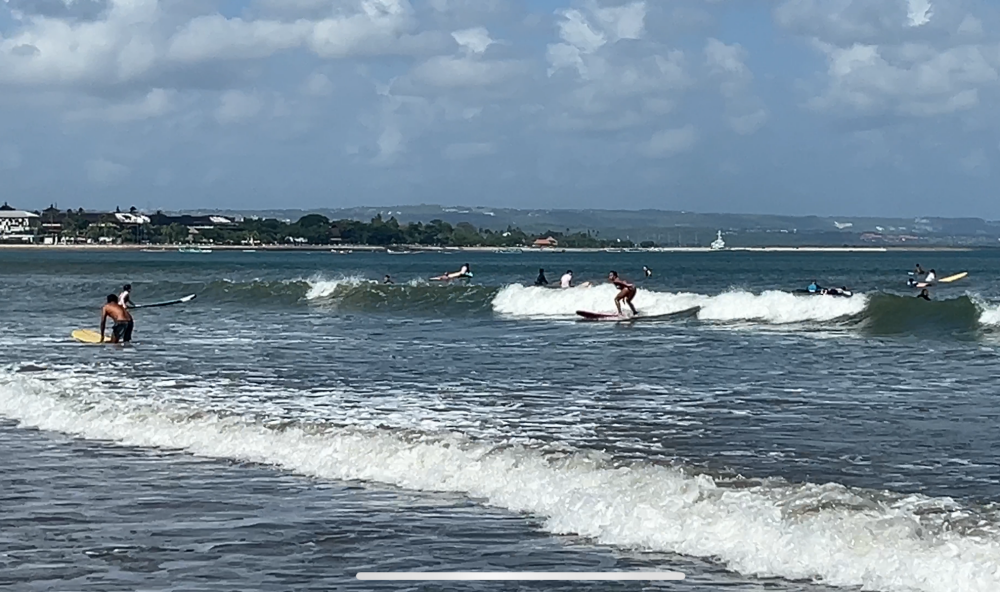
626, 292
121, 331
464, 272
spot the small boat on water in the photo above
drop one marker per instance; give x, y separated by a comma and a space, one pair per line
509, 251
193, 250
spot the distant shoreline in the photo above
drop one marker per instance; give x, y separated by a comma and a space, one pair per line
402, 249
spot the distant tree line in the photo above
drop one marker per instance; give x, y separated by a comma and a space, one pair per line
320, 230
313, 229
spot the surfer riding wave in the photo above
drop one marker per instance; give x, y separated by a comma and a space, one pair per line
626, 292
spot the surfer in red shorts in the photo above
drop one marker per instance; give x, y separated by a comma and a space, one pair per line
626, 292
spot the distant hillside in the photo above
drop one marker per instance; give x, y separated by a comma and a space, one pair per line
686, 228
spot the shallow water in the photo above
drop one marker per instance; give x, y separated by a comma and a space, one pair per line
759, 440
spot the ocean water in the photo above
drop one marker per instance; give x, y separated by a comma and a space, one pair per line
298, 422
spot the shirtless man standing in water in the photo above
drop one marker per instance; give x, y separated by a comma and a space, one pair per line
626, 292
121, 332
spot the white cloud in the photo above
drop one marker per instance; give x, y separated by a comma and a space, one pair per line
105, 172
377, 27
727, 64
671, 141
49, 50
236, 106
474, 40
911, 80
918, 12
616, 85
885, 57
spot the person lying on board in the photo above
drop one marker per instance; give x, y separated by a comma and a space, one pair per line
464, 272
626, 292
121, 331
841, 291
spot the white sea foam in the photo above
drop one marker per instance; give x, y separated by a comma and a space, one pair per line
768, 307
320, 288
989, 314
828, 532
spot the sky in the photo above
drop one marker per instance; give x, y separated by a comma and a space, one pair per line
828, 107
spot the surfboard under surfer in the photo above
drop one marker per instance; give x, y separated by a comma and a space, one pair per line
121, 331
626, 292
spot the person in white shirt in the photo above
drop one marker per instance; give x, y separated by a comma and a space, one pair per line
566, 280
125, 298
930, 277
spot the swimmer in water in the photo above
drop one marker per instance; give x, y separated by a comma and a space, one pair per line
647, 271
924, 294
540, 280
626, 292
387, 280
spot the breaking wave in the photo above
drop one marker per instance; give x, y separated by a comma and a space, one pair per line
841, 536
874, 314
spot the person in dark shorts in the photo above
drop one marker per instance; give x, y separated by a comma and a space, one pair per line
121, 331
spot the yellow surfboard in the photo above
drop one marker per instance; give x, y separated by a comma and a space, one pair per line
88, 336
952, 278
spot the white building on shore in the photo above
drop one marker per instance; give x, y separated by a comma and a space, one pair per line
17, 225
718, 244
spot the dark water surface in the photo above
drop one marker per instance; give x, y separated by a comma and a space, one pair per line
298, 422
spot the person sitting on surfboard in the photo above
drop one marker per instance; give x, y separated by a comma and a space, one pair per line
464, 272
626, 292
121, 331
814, 287
919, 271
931, 276
540, 280
566, 280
